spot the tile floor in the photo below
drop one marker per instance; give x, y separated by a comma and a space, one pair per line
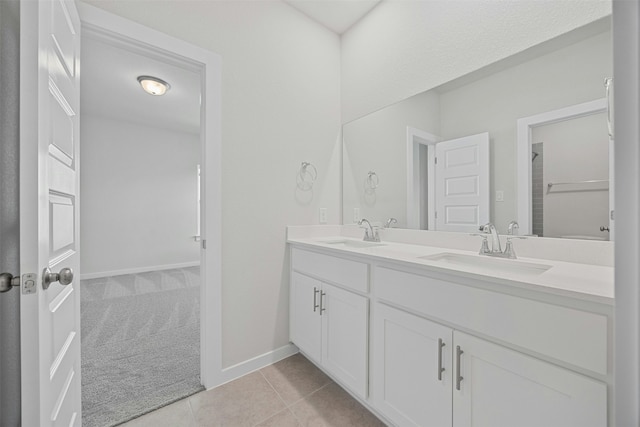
290, 393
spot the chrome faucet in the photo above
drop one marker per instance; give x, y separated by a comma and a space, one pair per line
390, 222
513, 227
369, 237
495, 239
496, 250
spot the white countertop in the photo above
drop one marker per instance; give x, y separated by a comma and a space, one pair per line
582, 281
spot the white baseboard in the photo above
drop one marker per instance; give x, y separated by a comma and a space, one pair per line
138, 270
236, 371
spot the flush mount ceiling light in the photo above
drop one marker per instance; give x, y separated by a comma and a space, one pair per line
153, 85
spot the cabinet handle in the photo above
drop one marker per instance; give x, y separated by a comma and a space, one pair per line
322, 294
459, 377
440, 368
315, 296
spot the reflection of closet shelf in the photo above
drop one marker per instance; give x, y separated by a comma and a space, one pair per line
580, 184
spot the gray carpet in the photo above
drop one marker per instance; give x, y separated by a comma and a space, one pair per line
140, 343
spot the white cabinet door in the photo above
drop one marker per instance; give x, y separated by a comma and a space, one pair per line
344, 337
305, 329
412, 375
49, 220
462, 183
502, 387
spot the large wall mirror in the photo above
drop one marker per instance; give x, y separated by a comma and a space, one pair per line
524, 139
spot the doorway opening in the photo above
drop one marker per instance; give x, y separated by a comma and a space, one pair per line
140, 264
151, 195
447, 182
574, 172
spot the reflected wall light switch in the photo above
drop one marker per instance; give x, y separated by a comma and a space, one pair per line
323, 216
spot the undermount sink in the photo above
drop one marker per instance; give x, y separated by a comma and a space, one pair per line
488, 263
349, 243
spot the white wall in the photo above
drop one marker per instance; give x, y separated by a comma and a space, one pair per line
378, 143
138, 204
405, 47
280, 107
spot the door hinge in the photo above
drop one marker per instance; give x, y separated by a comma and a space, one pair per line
436, 214
612, 216
204, 244
435, 160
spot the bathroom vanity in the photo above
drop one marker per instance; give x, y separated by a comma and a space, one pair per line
433, 334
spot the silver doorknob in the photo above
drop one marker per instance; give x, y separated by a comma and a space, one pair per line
7, 281
64, 277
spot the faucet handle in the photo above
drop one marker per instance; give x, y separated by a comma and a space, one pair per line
508, 250
485, 228
364, 223
483, 235
484, 248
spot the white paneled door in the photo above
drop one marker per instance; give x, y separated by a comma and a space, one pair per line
462, 183
49, 162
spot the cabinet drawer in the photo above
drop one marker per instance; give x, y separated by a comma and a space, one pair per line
569, 335
350, 274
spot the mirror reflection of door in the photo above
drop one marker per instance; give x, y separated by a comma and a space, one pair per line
447, 182
570, 178
462, 183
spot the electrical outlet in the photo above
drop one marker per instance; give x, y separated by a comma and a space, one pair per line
323, 216
356, 214
499, 196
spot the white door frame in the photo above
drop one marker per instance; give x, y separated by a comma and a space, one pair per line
415, 138
208, 64
626, 69
523, 150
